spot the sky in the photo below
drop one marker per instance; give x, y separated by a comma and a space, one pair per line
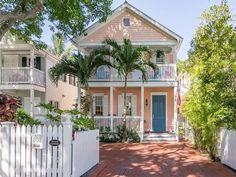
180, 16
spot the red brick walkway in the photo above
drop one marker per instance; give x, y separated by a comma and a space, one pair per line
159, 160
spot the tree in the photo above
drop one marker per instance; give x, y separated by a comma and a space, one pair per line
126, 59
82, 67
25, 18
58, 48
210, 103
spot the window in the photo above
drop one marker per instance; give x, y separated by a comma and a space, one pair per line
54, 103
64, 78
129, 105
74, 81
160, 57
70, 79
98, 105
126, 21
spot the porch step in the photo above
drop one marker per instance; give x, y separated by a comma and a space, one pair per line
157, 137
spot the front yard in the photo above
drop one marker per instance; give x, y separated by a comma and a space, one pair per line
156, 159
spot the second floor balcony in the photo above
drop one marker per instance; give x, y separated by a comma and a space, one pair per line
22, 75
166, 72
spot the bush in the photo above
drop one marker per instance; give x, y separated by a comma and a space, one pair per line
83, 123
24, 118
8, 107
106, 135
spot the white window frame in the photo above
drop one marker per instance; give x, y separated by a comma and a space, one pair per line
94, 105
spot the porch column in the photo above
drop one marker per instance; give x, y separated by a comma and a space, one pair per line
142, 112
32, 102
174, 54
31, 81
78, 96
31, 66
111, 107
176, 130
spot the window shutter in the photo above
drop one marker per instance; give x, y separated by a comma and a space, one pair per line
120, 105
93, 101
134, 105
38, 63
24, 62
105, 105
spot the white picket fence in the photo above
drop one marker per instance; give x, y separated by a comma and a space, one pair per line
29, 151
228, 148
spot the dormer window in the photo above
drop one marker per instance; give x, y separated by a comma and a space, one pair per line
126, 21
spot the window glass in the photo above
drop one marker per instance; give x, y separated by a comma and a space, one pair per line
126, 21
160, 57
129, 105
98, 105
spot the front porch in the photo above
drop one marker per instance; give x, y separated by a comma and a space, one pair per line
144, 113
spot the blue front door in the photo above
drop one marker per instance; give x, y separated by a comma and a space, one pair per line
159, 113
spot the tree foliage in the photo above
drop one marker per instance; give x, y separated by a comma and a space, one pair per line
211, 101
58, 48
82, 67
25, 18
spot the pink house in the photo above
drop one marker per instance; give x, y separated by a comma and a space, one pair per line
152, 104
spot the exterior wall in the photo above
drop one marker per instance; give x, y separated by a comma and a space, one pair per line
64, 93
148, 111
139, 30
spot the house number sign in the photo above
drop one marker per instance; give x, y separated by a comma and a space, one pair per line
54, 142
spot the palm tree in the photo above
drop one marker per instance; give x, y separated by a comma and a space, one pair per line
126, 59
82, 67
58, 48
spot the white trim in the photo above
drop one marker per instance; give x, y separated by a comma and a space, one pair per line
132, 84
166, 95
134, 43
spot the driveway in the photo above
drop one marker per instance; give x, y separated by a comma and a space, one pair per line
156, 159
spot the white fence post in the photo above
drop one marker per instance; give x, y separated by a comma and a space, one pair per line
5, 149
67, 146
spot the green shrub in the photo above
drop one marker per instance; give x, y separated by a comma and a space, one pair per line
106, 135
24, 118
83, 123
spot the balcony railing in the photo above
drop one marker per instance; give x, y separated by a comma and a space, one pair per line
166, 72
21, 75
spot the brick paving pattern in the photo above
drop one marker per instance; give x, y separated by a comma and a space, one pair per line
156, 160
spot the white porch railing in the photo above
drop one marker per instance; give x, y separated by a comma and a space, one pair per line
132, 122
21, 75
166, 72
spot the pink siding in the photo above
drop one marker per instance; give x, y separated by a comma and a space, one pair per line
140, 30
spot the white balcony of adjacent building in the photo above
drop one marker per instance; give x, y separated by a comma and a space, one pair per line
16, 69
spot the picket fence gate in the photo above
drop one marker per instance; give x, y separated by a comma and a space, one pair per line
46, 151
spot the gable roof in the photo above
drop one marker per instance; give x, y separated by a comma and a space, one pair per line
136, 11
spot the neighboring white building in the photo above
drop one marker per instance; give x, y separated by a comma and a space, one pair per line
30, 80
